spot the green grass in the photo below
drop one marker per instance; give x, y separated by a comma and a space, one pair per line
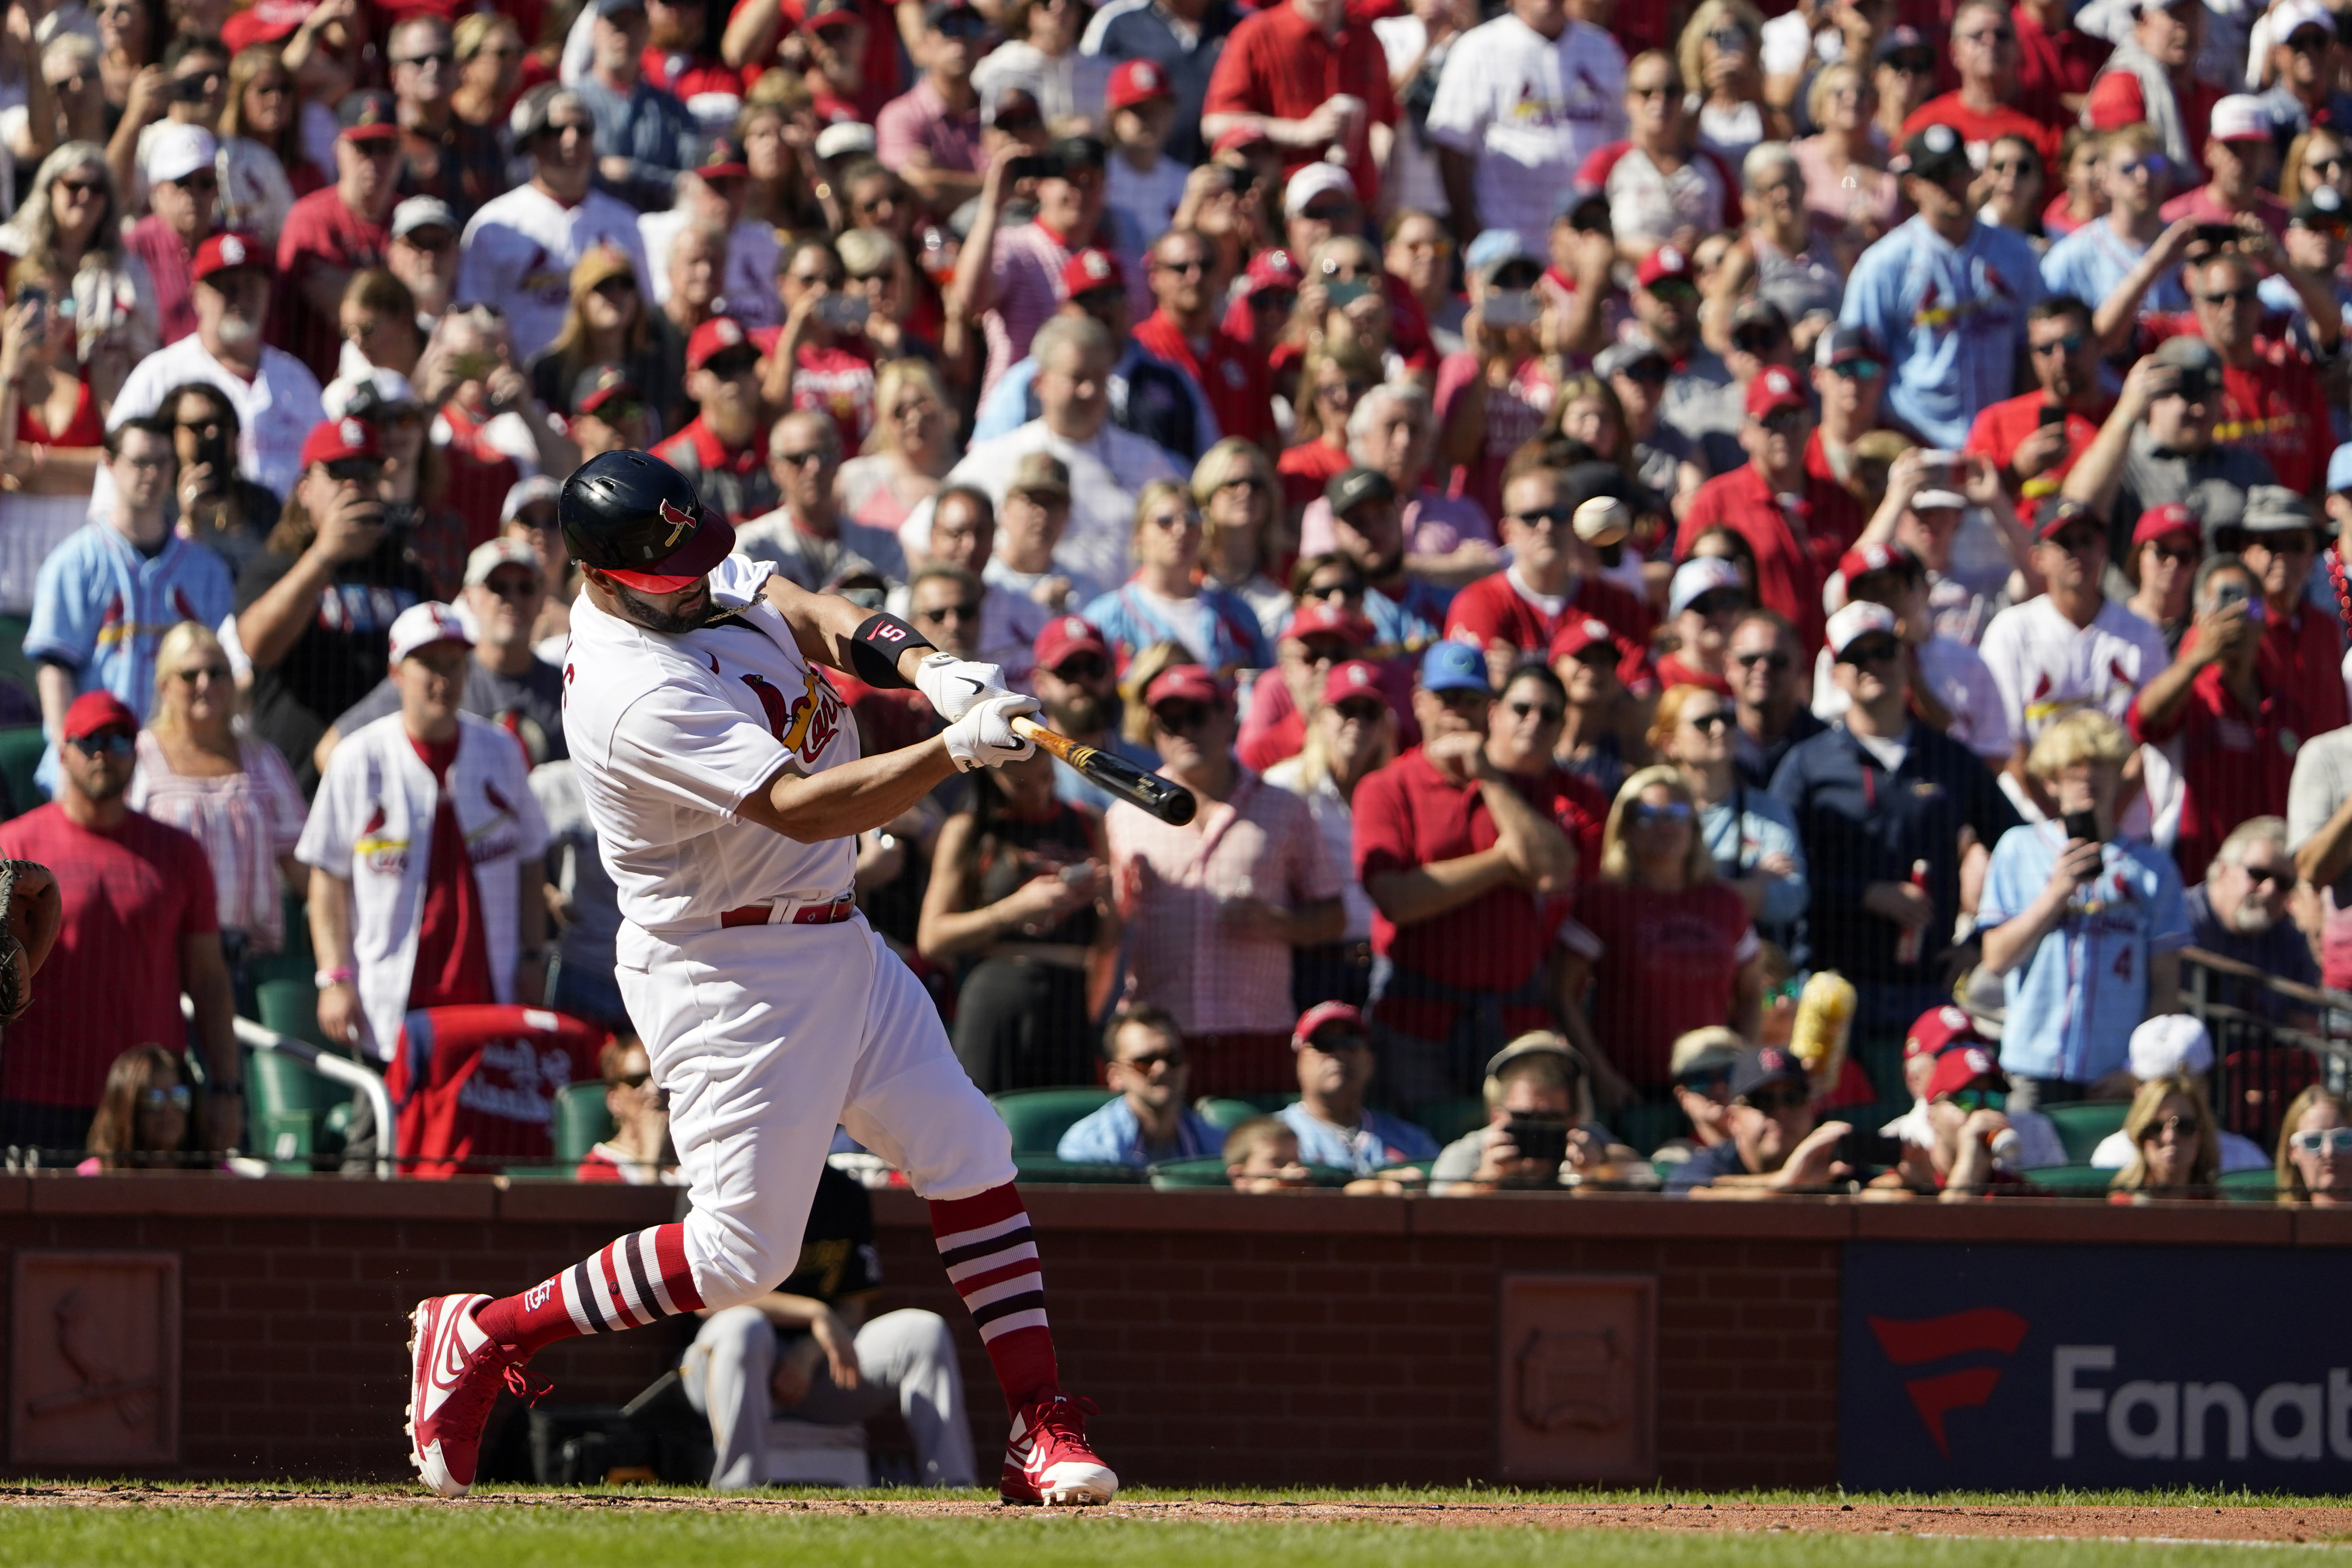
545, 1528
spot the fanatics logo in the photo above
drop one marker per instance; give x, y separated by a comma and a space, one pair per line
232, 251
1978, 1332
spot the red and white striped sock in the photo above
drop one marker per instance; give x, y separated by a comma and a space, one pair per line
992, 1260
636, 1280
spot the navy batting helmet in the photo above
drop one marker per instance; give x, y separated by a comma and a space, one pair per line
634, 516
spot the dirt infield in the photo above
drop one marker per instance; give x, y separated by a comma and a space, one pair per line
2280, 1522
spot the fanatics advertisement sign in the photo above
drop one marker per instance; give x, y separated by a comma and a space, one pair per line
2005, 1367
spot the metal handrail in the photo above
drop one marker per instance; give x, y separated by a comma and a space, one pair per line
327, 1065
2306, 1019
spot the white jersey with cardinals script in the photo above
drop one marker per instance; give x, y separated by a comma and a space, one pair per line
670, 734
520, 251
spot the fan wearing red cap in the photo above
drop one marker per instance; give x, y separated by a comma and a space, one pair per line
2167, 543
126, 920
1748, 500
720, 449
1077, 679
1970, 1144
1141, 180
1322, 635
1333, 1046
331, 233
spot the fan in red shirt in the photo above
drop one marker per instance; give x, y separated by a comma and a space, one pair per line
1286, 69
2237, 755
331, 233
2272, 401
1552, 578
2017, 435
1984, 48
1797, 523
2301, 645
140, 925
1183, 332
2166, 32
721, 449
473, 1088
1465, 875
858, 38
2055, 61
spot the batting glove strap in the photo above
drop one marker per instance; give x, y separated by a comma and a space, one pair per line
957, 686
983, 738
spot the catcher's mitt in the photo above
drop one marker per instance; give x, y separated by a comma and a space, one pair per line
15, 930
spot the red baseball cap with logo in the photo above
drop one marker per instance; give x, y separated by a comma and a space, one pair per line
1322, 1015
723, 160
2161, 522
1579, 632
263, 23
1958, 1070
1089, 269
1668, 264
1185, 683
1937, 1030
1775, 391
1274, 269
1353, 678
1066, 635
1137, 81
1865, 559
331, 440
228, 252
713, 338
95, 710
1323, 618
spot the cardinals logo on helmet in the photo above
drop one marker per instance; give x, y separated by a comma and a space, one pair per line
681, 524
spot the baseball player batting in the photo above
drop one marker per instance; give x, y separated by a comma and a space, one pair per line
723, 778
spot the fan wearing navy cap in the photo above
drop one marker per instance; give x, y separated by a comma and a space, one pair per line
1775, 1147
333, 233
314, 610
1797, 523
720, 450
1948, 296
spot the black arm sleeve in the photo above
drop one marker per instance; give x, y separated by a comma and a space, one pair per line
874, 651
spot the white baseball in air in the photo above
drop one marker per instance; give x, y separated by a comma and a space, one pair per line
1604, 520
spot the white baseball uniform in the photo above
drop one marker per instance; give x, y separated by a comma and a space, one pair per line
765, 1035
520, 251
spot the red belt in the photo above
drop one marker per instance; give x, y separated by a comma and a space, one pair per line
834, 914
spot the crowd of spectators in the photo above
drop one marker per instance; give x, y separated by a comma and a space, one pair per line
1613, 508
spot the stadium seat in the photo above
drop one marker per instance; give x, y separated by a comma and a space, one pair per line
2083, 1124
580, 1123
20, 753
1038, 1117
1225, 1114
1446, 1120
2072, 1181
1177, 1175
296, 1117
290, 1006
2258, 1186
1046, 1168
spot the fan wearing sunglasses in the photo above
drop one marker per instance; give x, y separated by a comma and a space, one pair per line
1775, 1146
1970, 1147
2174, 1152
2314, 1149
2174, 1049
2241, 911
144, 1117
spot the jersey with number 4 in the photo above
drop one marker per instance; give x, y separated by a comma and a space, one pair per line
670, 734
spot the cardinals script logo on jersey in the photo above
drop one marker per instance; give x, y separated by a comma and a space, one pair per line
808, 726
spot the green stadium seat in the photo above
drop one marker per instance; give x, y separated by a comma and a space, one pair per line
1225, 1114
1645, 1127
2083, 1124
1038, 1117
1046, 1168
20, 753
290, 1006
1446, 1120
1180, 1175
2072, 1181
296, 1117
2260, 1187
580, 1123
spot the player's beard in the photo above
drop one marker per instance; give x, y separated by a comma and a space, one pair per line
671, 623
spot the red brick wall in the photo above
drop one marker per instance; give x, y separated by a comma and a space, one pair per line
1299, 1340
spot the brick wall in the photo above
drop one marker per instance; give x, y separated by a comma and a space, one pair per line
1311, 1338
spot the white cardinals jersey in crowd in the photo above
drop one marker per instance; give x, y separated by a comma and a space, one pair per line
371, 826
520, 251
670, 734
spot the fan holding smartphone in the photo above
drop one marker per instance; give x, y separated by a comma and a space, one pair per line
2085, 928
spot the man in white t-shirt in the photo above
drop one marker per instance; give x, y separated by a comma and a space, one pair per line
2070, 647
1523, 101
520, 249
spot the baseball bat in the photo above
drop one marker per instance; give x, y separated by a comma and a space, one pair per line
1171, 803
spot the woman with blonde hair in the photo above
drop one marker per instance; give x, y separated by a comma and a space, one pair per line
606, 323
1750, 833
2320, 156
378, 321
262, 170
2175, 1144
1724, 74
233, 794
70, 227
1166, 602
489, 47
146, 1115
1846, 185
1663, 946
908, 452
1234, 485
2314, 1149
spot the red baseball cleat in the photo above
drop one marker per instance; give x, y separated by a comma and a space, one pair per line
1047, 1459
455, 1376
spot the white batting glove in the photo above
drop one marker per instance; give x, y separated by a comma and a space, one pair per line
955, 686
983, 738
